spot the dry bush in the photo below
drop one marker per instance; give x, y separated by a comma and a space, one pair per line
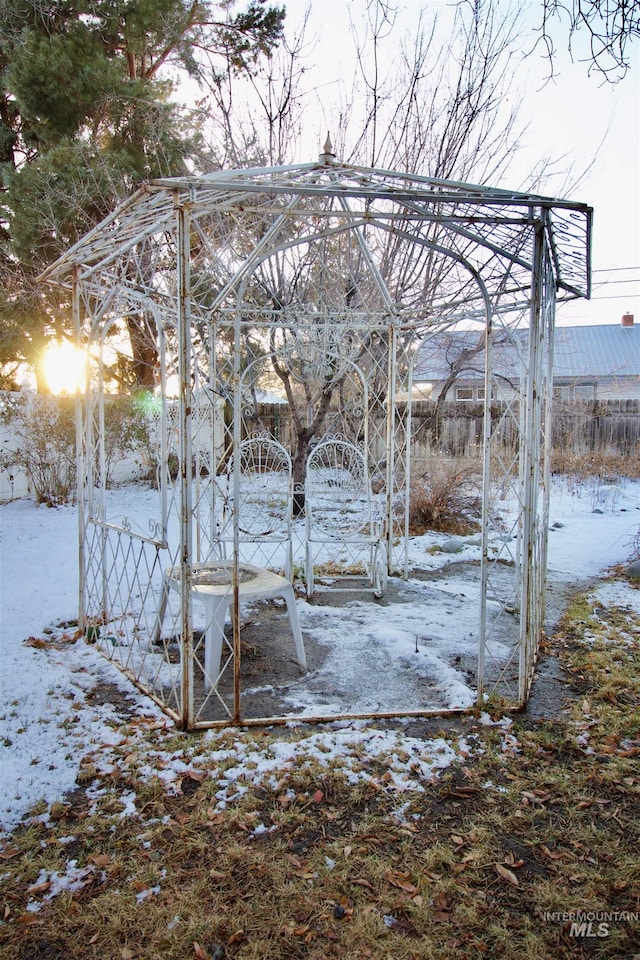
44, 440
446, 498
607, 467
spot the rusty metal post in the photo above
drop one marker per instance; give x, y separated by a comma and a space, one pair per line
530, 582
186, 405
80, 451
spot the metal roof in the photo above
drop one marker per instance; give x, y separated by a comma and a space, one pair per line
490, 229
604, 350
580, 352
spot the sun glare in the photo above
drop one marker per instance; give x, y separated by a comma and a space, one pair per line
64, 368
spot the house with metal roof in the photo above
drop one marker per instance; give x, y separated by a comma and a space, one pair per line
599, 362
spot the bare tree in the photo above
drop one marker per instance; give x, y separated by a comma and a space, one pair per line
439, 110
609, 27
258, 116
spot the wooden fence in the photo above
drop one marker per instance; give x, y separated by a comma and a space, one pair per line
580, 428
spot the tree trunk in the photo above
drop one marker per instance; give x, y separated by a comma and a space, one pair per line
144, 352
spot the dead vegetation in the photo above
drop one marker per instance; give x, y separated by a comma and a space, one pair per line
326, 860
608, 468
446, 498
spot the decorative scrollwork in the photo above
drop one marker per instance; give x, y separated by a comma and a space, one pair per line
248, 407
318, 347
155, 529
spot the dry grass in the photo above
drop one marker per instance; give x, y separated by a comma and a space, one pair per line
606, 467
542, 818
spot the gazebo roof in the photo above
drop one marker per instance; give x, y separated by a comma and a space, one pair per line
484, 225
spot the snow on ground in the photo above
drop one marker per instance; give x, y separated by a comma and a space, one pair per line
47, 727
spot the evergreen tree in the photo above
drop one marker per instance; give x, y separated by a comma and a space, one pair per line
86, 112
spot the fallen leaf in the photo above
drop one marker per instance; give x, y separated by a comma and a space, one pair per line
9, 853
36, 642
507, 874
39, 887
551, 854
198, 952
29, 920
402, 926
401, 881
443, 914
363, 883
100, 859
511, 860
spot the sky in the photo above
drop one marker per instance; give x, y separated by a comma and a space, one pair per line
590, 128
49, 728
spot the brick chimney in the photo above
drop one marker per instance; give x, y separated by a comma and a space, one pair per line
627, 320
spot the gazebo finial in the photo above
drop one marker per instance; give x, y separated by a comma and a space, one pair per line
327, 156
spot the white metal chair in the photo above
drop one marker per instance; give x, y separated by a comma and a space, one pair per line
258, 497
344, 521
260, 493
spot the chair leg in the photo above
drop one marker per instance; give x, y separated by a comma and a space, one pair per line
294, 620
162, 609
308, 570
380, 569
214, 639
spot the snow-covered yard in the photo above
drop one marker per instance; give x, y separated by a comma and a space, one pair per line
48, 726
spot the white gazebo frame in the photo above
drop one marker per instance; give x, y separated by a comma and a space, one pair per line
202, 263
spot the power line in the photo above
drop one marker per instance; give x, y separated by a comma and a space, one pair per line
614, 269
616, 297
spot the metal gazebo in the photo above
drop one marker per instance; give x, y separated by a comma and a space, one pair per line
286, 306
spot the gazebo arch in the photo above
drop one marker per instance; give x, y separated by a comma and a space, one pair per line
314, 283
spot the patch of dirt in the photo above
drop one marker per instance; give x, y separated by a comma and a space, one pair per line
269, 667
109, 694
42, 950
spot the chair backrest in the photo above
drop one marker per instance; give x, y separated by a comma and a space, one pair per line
265, 490
338, 498
260, 494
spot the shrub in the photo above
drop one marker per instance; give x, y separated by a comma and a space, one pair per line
45, 444
127, 429
607, 467
446, 498
44, 431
